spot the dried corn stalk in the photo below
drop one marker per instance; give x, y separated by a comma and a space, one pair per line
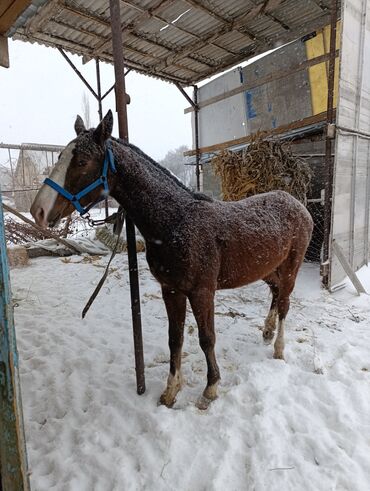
266, 165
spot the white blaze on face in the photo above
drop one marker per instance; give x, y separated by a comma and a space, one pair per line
46, 197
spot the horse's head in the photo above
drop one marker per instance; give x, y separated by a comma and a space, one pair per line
79, 164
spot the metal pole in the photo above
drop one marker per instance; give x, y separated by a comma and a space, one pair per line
100, 112
110, 90
119, 68
79, 74
196, 130
329, 161
121, 101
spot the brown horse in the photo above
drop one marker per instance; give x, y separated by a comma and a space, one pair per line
194, 245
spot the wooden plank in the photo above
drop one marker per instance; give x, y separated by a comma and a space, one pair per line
319, 118
11, 14
4, 52
347, 268
262, 81
13, 457
4, 5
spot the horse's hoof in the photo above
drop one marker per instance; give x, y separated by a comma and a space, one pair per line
268, 336
164, 400
203, 403
279, 356
210, 392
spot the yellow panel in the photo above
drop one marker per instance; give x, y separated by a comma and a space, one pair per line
318, 74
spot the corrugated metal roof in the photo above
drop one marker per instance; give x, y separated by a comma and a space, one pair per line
181, 41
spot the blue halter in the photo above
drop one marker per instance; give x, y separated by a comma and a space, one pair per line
102, 181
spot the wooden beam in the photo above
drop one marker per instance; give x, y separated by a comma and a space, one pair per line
145, 14
13, 457
231, 25
262, 81
10, 14
4, 52
51, 9
338, 251
77, 48
319, 118
106, 42
175, 26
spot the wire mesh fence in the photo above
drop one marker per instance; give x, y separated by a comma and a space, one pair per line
23, 169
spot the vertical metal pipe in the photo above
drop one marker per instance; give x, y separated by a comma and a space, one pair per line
100, 112
121, 100
119, 68
328, 144
196, 131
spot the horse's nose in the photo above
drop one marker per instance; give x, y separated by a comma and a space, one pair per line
39, 215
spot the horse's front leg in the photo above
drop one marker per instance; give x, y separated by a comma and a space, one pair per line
176, 311
202, 304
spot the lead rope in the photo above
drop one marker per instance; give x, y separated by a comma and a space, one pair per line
120, 219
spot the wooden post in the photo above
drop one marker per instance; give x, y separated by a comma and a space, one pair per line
13, 457
329, 161
4, 52
347, 268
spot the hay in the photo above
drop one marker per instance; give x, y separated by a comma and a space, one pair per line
266, 165
17, 256
109, 239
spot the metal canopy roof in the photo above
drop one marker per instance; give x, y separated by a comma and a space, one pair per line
182, 41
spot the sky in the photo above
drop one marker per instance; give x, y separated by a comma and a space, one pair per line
41, 96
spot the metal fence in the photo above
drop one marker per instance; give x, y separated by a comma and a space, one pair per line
23, 169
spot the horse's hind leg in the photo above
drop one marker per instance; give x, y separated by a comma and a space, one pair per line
176, 311
287, 273
270, 322
202, 304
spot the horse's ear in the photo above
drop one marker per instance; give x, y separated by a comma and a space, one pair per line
104, 131
79, 125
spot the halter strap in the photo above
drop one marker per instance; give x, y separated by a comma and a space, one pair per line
101, 181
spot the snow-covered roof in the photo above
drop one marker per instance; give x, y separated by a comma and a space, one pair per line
182, 41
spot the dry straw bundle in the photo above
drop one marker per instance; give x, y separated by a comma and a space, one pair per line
266, 165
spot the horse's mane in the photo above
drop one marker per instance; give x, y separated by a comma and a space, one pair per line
195, 195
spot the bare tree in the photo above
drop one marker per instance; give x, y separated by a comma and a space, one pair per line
179, 165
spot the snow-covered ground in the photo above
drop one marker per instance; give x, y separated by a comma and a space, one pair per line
303, 424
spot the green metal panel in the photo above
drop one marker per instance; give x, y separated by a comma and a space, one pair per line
13, 457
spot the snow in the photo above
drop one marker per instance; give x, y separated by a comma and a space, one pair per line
299, 425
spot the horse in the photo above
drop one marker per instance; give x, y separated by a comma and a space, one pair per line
195, 244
